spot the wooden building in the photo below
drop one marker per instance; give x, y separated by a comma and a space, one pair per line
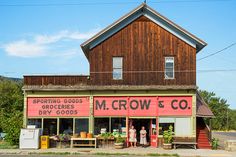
142, 73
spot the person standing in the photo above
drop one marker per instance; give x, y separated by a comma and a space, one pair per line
132, 136
143, 136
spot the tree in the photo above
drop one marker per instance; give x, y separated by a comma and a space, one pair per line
11, 109
221, 110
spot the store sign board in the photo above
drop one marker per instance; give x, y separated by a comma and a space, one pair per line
142, 106
175, 106
57, 106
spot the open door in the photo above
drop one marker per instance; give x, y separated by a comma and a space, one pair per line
154, 133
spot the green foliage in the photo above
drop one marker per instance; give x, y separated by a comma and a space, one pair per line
11, 109
107, 135
63, 137
12, 126
168, 135
215, 143
221, 110
6, 145
120, 139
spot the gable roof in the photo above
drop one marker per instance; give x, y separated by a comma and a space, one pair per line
203, 109
143, 10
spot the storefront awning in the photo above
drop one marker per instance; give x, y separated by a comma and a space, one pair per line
203, 109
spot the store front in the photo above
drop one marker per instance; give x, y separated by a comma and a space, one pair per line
147, 111
59, 115
96, 114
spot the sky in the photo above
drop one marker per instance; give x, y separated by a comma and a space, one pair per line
44, 37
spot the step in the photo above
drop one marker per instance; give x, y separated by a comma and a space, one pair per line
203, 143
204, 147
200, 141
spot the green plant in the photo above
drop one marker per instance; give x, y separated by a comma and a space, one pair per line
62, 137
11, 109
107, 135
13, 130
168, 135
119, 139
215, 144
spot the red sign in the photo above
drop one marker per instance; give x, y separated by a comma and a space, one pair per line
58, 107
142, 106
175, 105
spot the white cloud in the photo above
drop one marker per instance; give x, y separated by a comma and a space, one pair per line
23, 48
47, 45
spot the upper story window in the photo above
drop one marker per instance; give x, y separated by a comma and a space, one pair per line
117, 68
169, 67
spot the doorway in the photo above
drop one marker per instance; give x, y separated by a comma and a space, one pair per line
138, 123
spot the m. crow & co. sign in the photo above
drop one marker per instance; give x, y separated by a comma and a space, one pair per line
142, 106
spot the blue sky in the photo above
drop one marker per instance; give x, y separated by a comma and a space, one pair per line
46, 39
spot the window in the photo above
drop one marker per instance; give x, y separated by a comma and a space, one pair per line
110, 124
169, 67
36, 122
117, 68
118, 125
66, 126
101, 124
165, 123
49, 127
81, 125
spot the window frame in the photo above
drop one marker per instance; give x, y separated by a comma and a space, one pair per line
117, 68
173, 70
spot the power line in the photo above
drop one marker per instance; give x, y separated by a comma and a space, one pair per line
102, 3
212, 54
153, 71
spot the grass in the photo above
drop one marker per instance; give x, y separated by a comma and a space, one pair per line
54, 153
157, 154
6, 145
126, 154
106, 154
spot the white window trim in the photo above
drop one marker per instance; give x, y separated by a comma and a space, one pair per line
170, 78
117, 68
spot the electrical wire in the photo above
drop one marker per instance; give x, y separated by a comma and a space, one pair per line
103, 3
212, 54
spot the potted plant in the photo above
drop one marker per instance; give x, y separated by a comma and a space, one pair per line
168, 138
62, 140
119, 142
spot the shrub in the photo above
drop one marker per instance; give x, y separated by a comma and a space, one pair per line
12, 126
215, 143
168, 135
120, 139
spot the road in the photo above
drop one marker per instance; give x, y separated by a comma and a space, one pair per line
223, 136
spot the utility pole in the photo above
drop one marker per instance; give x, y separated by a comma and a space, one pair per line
227, 119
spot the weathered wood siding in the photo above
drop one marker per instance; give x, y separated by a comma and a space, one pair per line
144, 46
60, 80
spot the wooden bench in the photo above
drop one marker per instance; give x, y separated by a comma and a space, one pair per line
91, 142
191, 144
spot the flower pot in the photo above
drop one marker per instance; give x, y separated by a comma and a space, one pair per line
119, 145
89, 135
58, 145
167, 145
83, 134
